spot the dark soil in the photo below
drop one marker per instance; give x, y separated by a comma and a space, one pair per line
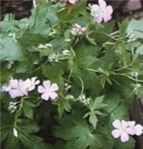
20, 8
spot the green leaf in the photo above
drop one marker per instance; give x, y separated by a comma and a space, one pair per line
54, 71
77, 134
139, 50
28, 109
9, 49
64, 104
95, 108
135, 28
129, 145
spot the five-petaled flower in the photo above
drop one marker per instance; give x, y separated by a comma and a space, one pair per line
125, 129
134, 129
120, 130
101, 12
48, 90
19, 88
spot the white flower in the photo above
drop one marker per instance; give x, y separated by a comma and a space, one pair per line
13, 88
125, 129
83, 99
12, 106
101, 12
48, 90
15, 132
134, 129
73, 2
30, 84
120, 130
53, 57
78, 30
19, 88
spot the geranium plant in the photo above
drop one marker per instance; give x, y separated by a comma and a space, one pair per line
69, 74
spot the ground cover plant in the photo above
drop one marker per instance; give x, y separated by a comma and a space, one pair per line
68, 75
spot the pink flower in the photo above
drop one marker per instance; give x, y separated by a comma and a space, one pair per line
19, 88
125, 129
30, 84
134, 129
101, 12
48, 90
13, 88
120, 130
78, 30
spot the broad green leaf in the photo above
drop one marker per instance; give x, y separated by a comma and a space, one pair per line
28, 109
135, 28
9, 50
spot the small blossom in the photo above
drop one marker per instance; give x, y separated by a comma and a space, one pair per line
13, 88
67, 86
78, 30
15, 132
73, 2
53, 57
120, 130
101, 12
19, 88
125, 129
83, 99
12, 107
48, 90
30, 84
134, 129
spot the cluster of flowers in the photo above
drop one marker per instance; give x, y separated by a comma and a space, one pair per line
125, 129
78, 30
100, 13
83, 99
19, 88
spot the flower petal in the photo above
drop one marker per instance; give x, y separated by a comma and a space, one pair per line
41, 89
109, 10
124, 137
54, 87
117, 124
45, 96
53, 95
98, 19
139, 129
47, 84
116, 133
102, 3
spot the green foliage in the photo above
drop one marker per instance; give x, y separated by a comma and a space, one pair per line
9, 49
95, 108
103, 64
